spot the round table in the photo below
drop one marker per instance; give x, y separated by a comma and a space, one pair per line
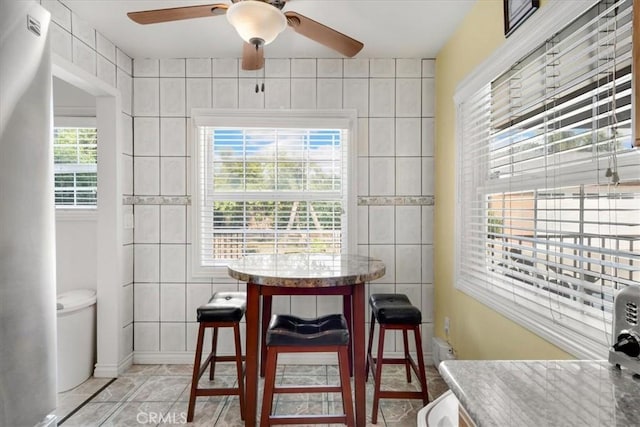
305, 274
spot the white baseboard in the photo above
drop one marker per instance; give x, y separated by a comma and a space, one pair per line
161, 358
105, 371
125, 364
112, 370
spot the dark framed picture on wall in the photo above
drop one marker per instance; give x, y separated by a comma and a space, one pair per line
516, 12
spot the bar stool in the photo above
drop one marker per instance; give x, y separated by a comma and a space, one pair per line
290, 334
224, 310
395, 312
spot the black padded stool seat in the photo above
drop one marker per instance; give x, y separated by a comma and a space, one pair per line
224, 310
289, 330
291, 334
395, 312
223, 307
395, 309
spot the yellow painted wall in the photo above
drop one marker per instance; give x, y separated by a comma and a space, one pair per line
476, 332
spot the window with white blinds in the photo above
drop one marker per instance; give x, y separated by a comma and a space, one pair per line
271, 189
75, 152
549, 184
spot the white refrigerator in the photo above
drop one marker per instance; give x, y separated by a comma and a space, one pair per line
27, 228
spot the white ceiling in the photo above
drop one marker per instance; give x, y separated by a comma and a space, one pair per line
388, 28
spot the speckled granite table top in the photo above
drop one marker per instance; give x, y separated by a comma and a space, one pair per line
306, 270
544, 393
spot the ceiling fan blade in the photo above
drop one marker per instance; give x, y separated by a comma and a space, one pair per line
323, 34
252, 59
177, 13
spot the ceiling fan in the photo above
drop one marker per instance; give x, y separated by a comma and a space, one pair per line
258, 22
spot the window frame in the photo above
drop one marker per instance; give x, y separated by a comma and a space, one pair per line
535, 31
335, 119
76, 212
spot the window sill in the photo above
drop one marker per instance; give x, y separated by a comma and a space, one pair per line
82, 214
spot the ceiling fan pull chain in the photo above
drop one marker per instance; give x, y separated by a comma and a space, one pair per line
262, 87
257, 88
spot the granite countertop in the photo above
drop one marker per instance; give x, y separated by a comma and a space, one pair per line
306, 270
542, 393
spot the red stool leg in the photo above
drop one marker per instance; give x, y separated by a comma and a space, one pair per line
214, 350
269, 384
236, 334
377, 378
346, 310
423, 375
345, 382
267, 301
195, 376
407, 364
370, 345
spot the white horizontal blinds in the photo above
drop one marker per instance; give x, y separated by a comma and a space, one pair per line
550, 189
75, 151
271, 190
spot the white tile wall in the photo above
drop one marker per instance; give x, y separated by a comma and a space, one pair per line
303, 94
173, 136
303, 68
146, 175
382, 176
60, 14
173, 263
400, 90
172, 97
84, 56
408, 176
407, 222
106, 48
198, 67
329, 94
173, 336
382, 97
330, 68
173, 174
173, 224
146, 133
146, 97
83, 31
146, 336
146, 302
198, 94
277, 93
146, 224
146, 263
395, 149
381, 136
61, 41
172, 68
106, 70
172, 302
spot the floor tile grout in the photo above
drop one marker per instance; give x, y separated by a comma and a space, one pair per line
141, 389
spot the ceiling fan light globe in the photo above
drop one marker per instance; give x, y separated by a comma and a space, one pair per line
255, 19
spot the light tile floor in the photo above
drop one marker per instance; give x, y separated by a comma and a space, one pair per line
158, 395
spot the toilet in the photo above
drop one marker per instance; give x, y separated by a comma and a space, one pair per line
442, 412
76, 328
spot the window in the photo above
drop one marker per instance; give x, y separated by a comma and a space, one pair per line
549, 184
75, 152
270, 182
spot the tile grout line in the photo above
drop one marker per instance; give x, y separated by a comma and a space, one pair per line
86, 401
